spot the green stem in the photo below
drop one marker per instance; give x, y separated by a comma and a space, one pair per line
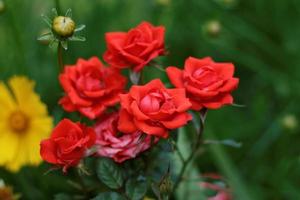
17, 37
179, 153
159, 67
141, 79
194, 151
57, 5
60, 57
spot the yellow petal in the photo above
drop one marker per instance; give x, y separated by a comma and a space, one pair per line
29, 147
20, 158
7, 103
9, 143
40, 129
27, 99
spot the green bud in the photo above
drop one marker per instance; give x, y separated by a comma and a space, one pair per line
213, 28
63, 26
289, 122
2, 6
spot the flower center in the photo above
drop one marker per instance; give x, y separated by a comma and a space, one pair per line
151, 102
18, 121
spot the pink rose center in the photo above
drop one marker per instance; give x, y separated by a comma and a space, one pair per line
152, 102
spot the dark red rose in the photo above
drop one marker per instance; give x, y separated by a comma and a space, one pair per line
208, 84
90, 87
136, 48
116, 145
153, 109
67, 144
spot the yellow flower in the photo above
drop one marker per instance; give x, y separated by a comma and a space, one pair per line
24, 122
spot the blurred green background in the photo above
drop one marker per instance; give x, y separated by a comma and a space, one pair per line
261, 37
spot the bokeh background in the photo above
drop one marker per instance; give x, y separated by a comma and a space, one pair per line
261, 37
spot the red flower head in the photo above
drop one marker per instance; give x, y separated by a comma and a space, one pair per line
208, 84
116, 145
153, 109
67, 144
90, 87
136, 48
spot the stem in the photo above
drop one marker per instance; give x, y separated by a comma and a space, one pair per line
157, 66
57, 5
17, 37
194, 151
141, 79
179, 153
60, 58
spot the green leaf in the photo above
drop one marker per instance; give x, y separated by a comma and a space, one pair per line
53, 44
155, 190
54, 12
46, 37
227, 142
187, 190
64, 45
77, 38
80, 27
136, 190
69, 13
47, 20
110, 173
109, 196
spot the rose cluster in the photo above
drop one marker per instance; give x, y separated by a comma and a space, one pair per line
129, 118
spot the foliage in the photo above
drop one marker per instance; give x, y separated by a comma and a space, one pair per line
261, 37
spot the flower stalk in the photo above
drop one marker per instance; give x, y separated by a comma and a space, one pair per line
60, 57
186, 162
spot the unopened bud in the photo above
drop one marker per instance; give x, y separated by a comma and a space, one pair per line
63, 26
166, 185
289, 122
213, 28
2, 6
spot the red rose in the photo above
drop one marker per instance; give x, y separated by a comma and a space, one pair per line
135, 48
208, 84
67, 144
116, 145
153, 109
90, 87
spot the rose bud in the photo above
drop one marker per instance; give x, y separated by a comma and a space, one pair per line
153, 109
136, 48
67, 144
63, 26
208, 84
117, 145
90, 87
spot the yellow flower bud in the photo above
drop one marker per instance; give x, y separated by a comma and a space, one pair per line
63, 26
